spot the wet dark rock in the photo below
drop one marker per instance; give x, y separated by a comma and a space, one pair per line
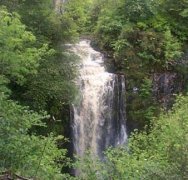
165, 86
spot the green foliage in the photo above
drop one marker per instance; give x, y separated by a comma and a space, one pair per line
172, 47
139, 9
142, 106
18, 57
38, 76
89, 166
166, 143
108, 25
159, 154
107, 29
43, 21
77, 11
176, 13
21, 151
3, 85
53, 86
143, 37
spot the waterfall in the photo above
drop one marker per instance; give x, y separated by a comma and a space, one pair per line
99, 112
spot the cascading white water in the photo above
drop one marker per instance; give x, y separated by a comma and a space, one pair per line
99, 114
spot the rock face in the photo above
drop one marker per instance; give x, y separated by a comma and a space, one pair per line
168, 84
165, 86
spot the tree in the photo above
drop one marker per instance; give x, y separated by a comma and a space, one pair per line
23, 152
53, 87
77, 12
19, 57
161, 153
177, 15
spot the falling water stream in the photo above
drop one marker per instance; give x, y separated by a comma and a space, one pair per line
99, 112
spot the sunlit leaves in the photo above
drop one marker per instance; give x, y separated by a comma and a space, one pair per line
158, 154
172, 47
21, 151
18, 56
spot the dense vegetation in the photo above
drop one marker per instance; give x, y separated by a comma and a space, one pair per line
35, 86
142, 37
161, 154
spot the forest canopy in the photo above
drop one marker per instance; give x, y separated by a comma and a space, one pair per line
140, 38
